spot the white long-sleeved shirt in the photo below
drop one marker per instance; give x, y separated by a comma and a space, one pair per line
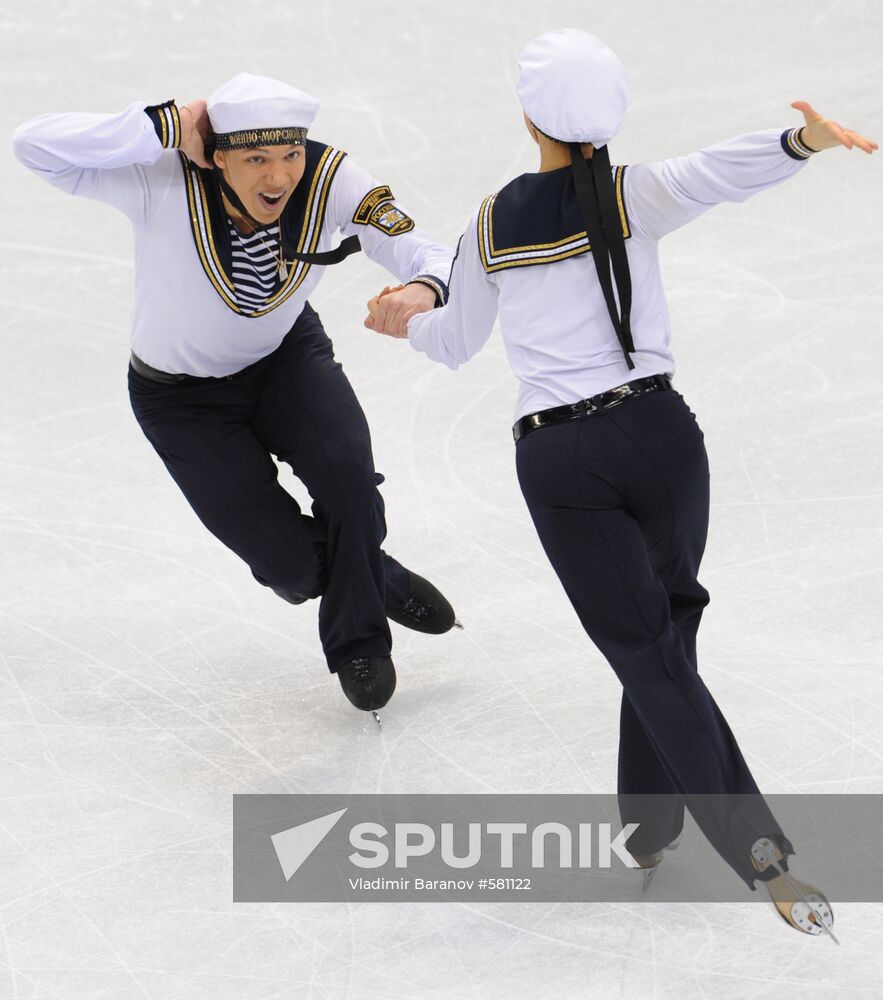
556, 330
183, 319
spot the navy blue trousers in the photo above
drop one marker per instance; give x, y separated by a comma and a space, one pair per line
216, 438
620, 502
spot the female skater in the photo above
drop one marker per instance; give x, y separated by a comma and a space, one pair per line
610, 459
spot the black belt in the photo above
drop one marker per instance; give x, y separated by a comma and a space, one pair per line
592, 405
170, 378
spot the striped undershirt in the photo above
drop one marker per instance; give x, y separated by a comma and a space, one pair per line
255, 275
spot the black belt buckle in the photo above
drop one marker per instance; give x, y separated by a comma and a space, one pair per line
623, 391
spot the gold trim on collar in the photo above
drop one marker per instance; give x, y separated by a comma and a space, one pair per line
203, 236
570, 246
198, 221
620, 201
324, 174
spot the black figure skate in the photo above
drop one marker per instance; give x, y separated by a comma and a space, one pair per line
425, 610
368, 682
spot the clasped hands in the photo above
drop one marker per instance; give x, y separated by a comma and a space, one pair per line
390, 311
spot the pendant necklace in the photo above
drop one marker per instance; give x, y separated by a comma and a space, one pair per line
281, 262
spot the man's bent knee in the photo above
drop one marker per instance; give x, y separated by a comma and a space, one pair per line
296, 589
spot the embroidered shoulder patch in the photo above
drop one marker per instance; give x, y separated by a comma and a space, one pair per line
377, 209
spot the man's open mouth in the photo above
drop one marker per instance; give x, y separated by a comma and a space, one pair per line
270, 202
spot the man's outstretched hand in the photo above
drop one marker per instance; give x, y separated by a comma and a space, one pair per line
390, 311
821, 133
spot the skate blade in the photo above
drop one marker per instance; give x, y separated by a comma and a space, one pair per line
457, 623
814, 917
377, 719
812, 912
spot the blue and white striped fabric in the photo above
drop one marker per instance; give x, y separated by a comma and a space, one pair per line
255, 262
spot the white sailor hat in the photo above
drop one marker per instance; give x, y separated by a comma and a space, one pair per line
257, 111
573, 87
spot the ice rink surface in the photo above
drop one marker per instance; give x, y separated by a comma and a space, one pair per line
145, 678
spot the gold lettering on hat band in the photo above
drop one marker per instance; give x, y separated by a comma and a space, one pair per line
261, 137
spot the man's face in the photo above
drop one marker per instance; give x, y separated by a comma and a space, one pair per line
263, 177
